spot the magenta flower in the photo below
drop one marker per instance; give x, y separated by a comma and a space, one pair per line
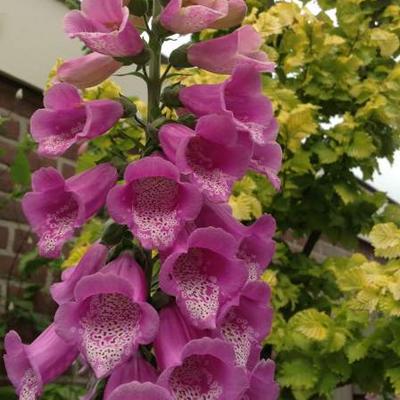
57, 206
184, 17
109, 317
209, 156
236, 12
66, 119
267, 160
203, 275
246, 324
223, 54
206, 370
105, 28
173, 335
240, 97
181, 16
30, 367
255, 244
153, 202
262, 384
140, 391
91, 262
135, 369
86, 71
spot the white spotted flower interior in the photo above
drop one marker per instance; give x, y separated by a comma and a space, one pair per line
205, 370
67, 118
30, 367
204, 275
210, 155
153, 202
57, 206
109, 317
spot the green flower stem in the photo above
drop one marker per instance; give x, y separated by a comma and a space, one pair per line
154, 81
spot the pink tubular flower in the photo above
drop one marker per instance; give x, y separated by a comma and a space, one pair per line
30, 367
109, 317
203, 275
223, 54
183, 17
66, 119
247, 323
140, 391
173, 335
86, 71
267, 160
153, 202
205, 370
57, 206
255, 244
262, 384
105, 28
91, 262
135, 369
241, 97
209, 156
236, 12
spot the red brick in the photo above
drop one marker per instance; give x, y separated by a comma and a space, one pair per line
6, 184
37, 162
24, 241
72, 152
10, 129
8, 152
3, 237
8, 265
11, 210
67, 170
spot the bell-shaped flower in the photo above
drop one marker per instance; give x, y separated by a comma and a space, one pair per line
140, 391
31, 366
206, 370
109, 317
236, 12
57, 206
135, 369
174, 333
262, 384
222, 54
182, 16
209, 156
104, 28
241, 97
66, 119
203, 275
255, 244
267, 160
88, 70
246, 324
93, 260
153, 202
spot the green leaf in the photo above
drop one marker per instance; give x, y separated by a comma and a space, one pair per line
361, 146
298, 374
20, 170
357, 350
388, 42
394, 376
312, 324
386, 240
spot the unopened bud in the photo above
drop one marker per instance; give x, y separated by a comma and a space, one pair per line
129, 107
170, 95
178, 57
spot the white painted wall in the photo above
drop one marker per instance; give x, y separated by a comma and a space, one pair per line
32, 38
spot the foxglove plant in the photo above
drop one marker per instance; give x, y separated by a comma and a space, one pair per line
169, 304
